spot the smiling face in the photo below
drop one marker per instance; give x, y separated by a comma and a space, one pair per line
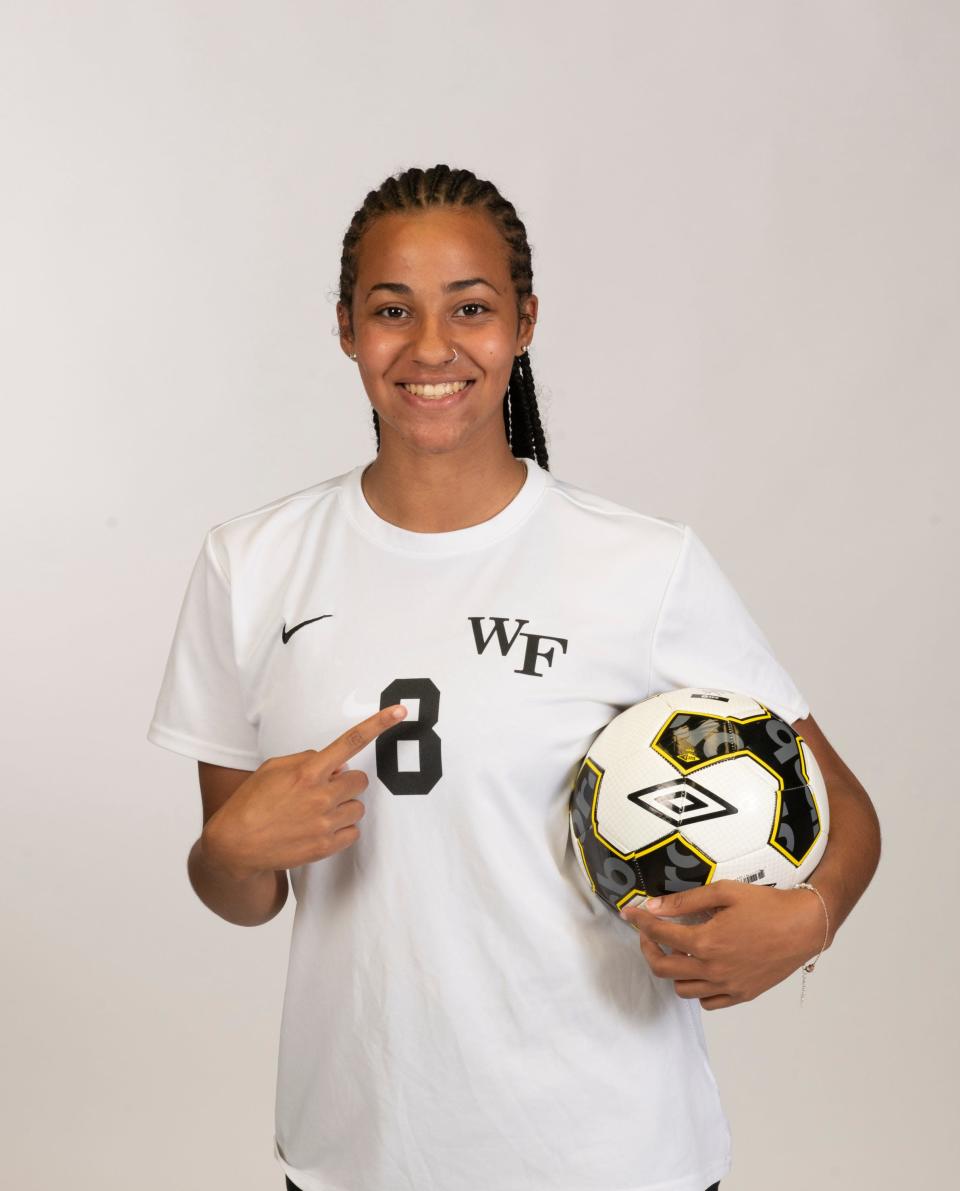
430, 283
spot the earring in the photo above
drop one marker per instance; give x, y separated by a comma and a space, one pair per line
354, 356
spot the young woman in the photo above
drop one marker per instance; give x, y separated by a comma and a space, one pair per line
460, 1014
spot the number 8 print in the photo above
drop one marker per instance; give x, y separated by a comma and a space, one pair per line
430, 770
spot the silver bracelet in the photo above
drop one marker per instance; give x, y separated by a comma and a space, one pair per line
813, 963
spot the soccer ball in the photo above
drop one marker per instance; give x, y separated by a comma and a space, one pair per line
695, 786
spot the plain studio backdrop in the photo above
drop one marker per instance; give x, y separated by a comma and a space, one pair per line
745, 237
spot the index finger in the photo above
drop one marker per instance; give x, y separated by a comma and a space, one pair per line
359, 736
677, 936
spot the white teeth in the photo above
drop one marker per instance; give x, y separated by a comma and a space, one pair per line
436, 390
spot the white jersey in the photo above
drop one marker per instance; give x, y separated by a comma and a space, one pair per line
461, 1013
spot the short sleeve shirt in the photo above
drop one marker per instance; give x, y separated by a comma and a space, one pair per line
461, 1012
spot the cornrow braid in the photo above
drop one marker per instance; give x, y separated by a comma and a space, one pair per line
416, 189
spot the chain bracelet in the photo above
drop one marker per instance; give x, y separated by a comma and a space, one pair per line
813, 963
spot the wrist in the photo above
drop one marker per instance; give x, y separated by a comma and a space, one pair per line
219, 857
815, 926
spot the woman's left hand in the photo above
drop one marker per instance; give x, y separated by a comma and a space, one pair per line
755, 936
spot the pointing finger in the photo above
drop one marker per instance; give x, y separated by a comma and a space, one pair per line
350, 743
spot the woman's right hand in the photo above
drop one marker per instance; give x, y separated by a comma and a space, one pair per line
296, 808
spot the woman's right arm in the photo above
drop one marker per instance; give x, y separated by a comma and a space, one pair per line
244, 901
292, 810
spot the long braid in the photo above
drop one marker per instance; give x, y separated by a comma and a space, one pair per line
530, 401
521, 428
415, 189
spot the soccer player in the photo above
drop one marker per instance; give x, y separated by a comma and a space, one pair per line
460, 1012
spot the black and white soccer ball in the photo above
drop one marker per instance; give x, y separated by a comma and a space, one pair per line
695, 786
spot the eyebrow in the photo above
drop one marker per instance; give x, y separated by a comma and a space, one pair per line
397, 287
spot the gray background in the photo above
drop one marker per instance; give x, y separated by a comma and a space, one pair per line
744, 224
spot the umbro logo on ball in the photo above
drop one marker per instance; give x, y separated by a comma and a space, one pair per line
682, 802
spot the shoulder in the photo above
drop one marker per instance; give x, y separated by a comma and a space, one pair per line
276, 526
595, 515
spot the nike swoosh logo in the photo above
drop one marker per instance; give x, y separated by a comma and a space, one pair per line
287, 635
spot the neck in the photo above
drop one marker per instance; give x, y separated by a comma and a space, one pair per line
441, 491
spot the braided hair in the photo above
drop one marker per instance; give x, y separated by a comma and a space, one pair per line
415, 189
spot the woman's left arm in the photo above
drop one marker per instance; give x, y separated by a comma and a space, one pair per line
761, 934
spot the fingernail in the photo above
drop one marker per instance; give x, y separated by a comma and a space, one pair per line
652, 903
399, 712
